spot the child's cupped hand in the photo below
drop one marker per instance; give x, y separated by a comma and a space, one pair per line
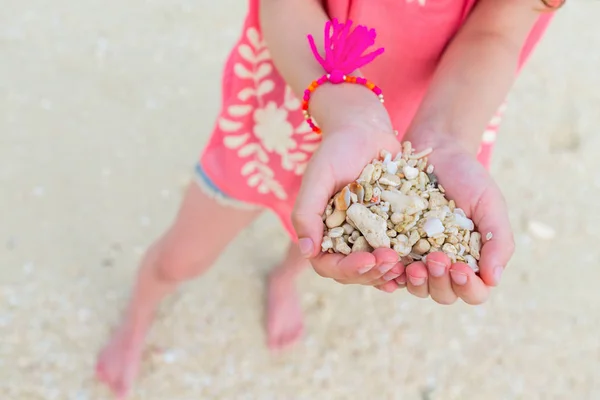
343, 153
469, 184
339, 160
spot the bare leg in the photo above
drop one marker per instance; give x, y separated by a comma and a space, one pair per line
285, 323
201, 231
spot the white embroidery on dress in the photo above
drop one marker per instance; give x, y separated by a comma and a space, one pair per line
271, 125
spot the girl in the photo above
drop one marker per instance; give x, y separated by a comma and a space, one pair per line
447, 67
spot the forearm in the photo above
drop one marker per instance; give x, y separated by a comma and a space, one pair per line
475, 73
285, 25
469, 85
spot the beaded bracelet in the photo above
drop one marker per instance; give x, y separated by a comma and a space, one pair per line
343, 55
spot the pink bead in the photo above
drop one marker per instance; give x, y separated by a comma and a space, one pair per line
336, 77
306, 96
322, 80
377, 91
362, 81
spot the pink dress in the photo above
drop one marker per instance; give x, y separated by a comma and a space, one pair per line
261, 144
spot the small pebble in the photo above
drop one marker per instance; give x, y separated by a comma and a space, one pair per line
399, 204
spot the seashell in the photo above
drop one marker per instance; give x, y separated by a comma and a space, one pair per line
472, 262
437, 200
328, 212
458, 211
413, 238
475, 244
336, 219
462, 221
418, 204
342, 200
366, 176
350, 222
361, 245
489, 236
391, 233
421, 154
354, 235
358, 190
386, 155
397, 218
390, 180
384, 206
449, 249
421, 247
406, 186
378, 170
401, 246
391, 167
348, 229
336, 232
407, 149
376, 195
326, 243
340, 246
398, 201
368, 191
433, 227
410, 172
372, 226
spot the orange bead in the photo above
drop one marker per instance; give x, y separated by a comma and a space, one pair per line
370, 85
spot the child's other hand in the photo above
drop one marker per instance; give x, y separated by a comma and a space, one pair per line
343, 153
468, 183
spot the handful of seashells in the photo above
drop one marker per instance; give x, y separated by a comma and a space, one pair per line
398, 203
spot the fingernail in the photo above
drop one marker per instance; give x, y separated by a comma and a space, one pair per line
383, 268
389, 276
460, 278
498, 274
365, 269
436, 268
416, 281
401, 280
306, 247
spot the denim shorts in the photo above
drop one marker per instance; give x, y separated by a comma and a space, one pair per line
211, 189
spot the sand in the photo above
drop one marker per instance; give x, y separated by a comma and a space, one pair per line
104, 108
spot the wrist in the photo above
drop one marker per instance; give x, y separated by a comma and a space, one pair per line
334, 106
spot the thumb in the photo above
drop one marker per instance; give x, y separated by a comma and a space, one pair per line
315, 191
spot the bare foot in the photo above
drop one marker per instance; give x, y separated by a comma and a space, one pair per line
118, 363
285, 322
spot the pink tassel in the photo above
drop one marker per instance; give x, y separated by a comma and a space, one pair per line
344, 49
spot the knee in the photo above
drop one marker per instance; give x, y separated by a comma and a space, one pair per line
177, 262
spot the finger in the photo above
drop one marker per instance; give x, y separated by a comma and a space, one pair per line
416, 279
386, 265
388, 287
491, 218
391, 275
344, 268
310, 203
467, 285
440, 285
401, 280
